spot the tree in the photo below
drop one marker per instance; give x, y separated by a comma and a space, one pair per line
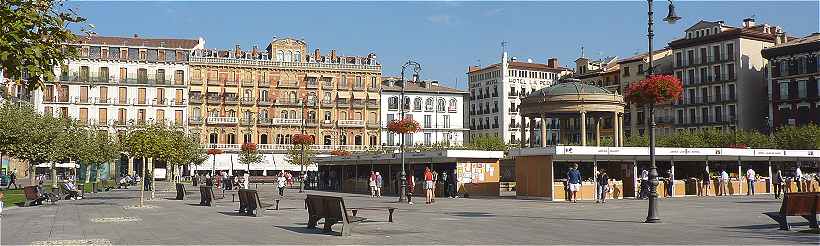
34, 38
249, 155
15, 120
792, 137
301, 154
187, 151
491, 143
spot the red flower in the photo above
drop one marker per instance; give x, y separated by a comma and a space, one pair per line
214, 151
249, 147
340, 152
302, 139
406, 125
655, 89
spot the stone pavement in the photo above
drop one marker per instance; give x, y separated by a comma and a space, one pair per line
111, 218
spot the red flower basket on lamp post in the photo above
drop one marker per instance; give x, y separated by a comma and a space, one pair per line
214, 152
302, 139
403, 126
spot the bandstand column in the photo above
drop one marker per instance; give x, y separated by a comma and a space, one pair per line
597, 131
620, 130
532, 132
521, 142
543, 130
583, 128
615, 129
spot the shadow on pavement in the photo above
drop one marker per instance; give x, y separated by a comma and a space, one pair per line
472, 214
305, 230
766, 226
754, 202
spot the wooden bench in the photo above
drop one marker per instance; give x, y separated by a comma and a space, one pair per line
332, 209
390, 211
180, 191
33, 196
206, 195
250, 204
804, 204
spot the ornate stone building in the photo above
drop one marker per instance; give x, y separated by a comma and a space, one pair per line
267, 96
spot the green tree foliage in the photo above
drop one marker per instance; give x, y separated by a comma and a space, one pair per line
635, 141
491, 143
34, 34
791, 137
296, 156
249, 157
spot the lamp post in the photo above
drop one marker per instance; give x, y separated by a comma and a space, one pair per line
302, 159
652, 214
403, 177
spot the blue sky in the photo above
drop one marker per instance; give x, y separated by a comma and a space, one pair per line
445, 37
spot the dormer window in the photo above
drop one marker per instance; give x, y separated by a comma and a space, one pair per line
716, 30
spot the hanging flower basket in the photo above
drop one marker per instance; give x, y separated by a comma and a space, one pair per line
214, 151
340, 152
248, 147
403, 126
302, 139
654, 90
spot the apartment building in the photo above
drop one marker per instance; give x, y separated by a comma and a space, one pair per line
440, 111
722, 70
267, 96
496, 91
603, 73
117, 81
792, 79
634, 69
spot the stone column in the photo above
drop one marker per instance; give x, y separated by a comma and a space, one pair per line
583, 128
620, 129
597, 131
771, 175
532, 135
521, 129
615, 129
543, 130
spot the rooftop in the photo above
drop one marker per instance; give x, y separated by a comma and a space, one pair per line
138, 41
572, 87
797, 45
433, 87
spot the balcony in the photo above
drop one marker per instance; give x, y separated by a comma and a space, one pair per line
195, 120
196, 82
287, 102
231, 100
513, 110
495, 110
513, 94
248, 101
264, 102
350, 123
310, 123
286, 122
514, 126
139, 101
342, 103
215, 100
264, 83
195, 99
310, 103
327, 123
288, 84
327, 85
374, 125
231, 83
358, 103
452, 109
213, 82
81, 100
372, 104
246, 121
121, 101
102, 101
247, 83
222, 120
358, 87
312, 84
327, 103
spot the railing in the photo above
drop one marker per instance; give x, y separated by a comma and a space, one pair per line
214, 100
248, 101
288, 83
195, 120
350, 123
311, 84
286, 122
264, 83
327, 85
265, 102
195, 99
231, 100
196, 82
357, 103
372, 104
222, 120
213, 82
278, 64
248, 83
231, 83
246, 121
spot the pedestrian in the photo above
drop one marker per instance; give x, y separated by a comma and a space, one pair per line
428, 185
723, 182
798, 177
280, 184
218, 181
778, 184
751, 178
379, 184
706, 181
452, 185
289, 178
603, 186
644, 194
12, 180
208, 180
435, 184
574, 181
670, 182
411, 185
371, 182
246, 180
444, 182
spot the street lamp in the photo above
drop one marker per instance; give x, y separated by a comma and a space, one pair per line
403, 180
302, 159
652, 214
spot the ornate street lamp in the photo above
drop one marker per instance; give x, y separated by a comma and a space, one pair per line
652, 215
403, 180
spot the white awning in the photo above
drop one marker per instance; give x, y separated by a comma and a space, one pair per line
60, 165
344, 95
269, 162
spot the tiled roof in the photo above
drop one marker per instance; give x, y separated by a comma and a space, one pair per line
806, 44
535, 66
148, 42
640, 56
416, 87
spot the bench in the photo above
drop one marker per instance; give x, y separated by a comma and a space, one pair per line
804, 204
332, 209
206, 195
390, 211
250, 204
180, 191
33, 196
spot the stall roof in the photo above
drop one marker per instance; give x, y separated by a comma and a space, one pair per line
683, 154
438, 156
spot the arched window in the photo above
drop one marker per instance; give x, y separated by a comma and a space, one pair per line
231, 113
293, 114
357, 140
343, 139
328, 140
373, 140
213, 113
297, 56
393, 103
248, 115
328, 116
213, 138
263, 114
231, 138
311, 97
263, 139
406, 105
263, 95
358, 116
327, 98
248, 93
292, 96
428, 104
343, 115
417, 104
247, 138
312, 116
280, 139
453, 105
284, 114
280, 55
441, 104
289, 56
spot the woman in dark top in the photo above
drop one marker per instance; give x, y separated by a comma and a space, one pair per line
603, 186
706, 181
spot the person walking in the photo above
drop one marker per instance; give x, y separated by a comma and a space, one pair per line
246, 180
751, 179
670, 183
451, 186
445, 184
379, 184
411, 185
778, 184
603, 186
574, 181
12, 180
798, 177
722, 182
706, 181
372, 184
428, 185
644, 194
281, 181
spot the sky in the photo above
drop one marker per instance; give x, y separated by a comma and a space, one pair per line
445, 37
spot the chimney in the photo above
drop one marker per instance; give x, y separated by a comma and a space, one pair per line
333, 55
255, 51
748, 22
721, 22
316, 54
780, 37
471, 69
553, 62
136, 36
237, 52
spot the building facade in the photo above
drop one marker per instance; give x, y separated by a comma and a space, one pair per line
119, 81
633, 69
717, 64
496, 91
440, 111
792, 79
267, 96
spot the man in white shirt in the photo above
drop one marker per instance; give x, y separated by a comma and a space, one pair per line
246, 180
724, 179
798, 177
751, 178
280, 183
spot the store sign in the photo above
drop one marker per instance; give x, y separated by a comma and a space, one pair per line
769, 152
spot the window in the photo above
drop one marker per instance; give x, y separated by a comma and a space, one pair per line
453, 106
160, 76
417, 104
393, 103
373, 83
784, 90
718, 114
730, 71
280, 56
428, 121
446, 120
179, 77
428, 139
640, 69
297, 56
84, 73
801, 88
732, 113
428, 104
213, 138
680, 118
359, 82
343, 82
678, 59
441, 105
731, 91
730, 51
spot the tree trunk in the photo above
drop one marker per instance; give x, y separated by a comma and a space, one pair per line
142, 183
32, 173
151, 184
97, 180
87, 173
53, 175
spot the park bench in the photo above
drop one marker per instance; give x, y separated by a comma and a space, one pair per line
390, 211
206, 195
332, 209
250, 204
180, 191
33, 196
262, 179
804, 204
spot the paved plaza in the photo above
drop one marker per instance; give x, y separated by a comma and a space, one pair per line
110, 217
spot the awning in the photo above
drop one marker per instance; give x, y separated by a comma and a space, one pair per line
313, 75
359, 95
372, 95
269, 162
214, 89
344, 95
60, 165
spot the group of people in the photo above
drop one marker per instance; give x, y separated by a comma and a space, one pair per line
802, 181
376, 182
